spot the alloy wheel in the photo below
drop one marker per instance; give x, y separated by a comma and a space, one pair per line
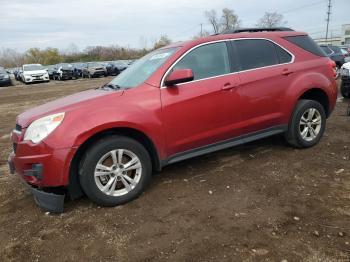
310, 124
118, 172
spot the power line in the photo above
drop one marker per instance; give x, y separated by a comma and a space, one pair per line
302, 7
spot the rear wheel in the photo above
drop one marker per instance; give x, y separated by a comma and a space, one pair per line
307, 124
115, 170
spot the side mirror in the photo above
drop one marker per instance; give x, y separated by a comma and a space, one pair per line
179, 76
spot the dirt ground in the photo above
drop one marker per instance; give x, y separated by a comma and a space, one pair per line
263, 201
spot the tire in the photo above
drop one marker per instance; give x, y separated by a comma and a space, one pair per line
100, 154
345, 92
295, 135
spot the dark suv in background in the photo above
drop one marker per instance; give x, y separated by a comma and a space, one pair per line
5, 79
335, 53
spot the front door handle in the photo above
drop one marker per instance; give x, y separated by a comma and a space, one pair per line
229, 86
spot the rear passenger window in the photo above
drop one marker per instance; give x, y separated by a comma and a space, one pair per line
283, 55
255, 53
206, 61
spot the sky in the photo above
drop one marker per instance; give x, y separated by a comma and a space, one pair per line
138, 23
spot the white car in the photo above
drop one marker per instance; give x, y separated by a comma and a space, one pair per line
34, 73
345, 80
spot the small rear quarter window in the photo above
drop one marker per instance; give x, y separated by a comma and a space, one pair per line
306, 43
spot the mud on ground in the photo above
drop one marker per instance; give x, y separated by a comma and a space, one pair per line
263, 201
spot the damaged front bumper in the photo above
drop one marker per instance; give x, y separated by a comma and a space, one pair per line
49, 201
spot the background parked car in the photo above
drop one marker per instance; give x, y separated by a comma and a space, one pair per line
345, 80
77, 69
63, 71
334, 53
346, 53
34, 73
17, 73
93, 69
50, 70
121, 65
5, 79
112, 69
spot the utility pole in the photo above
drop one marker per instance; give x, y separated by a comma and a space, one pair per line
201, 30
328, 17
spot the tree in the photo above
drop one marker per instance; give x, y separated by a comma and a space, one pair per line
229, 20
213, 20
10, 58
271, 19
163, 41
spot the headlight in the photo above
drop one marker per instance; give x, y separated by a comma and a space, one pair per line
41, 128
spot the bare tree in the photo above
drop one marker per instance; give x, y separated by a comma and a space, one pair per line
229, 20
213, 20
271, 19
11, 58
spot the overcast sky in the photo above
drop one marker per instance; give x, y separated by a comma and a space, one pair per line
58, 23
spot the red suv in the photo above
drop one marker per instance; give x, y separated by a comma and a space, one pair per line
178, 102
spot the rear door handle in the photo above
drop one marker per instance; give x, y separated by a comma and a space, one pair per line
286, 71
229, 86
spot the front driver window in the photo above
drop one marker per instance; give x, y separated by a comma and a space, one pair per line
206, 61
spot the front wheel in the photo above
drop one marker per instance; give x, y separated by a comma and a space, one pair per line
115, 170
307, 124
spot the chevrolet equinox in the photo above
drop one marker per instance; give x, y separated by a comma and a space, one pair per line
177, 102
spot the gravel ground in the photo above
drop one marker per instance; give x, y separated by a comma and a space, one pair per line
263, 201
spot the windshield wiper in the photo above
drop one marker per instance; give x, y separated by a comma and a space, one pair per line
111, 86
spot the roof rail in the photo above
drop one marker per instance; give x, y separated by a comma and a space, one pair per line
258, 29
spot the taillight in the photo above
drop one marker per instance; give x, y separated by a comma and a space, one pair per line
333, 66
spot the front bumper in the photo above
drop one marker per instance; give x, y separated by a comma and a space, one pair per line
44, 168
98, 73
31, 79
51, 202
5, 82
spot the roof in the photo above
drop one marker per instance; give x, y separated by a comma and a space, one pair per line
240, 33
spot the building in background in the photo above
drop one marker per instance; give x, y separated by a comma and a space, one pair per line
345, 30
342, 39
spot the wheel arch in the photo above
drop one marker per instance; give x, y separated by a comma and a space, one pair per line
74, 187
319, 95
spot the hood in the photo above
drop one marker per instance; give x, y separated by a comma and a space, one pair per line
346, 66
69, 103
43, 71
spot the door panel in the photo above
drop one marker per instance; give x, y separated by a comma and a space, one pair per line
266, 73
201, 112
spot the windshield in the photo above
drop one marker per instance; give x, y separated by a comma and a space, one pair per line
65, 66
141, 70
94, 64
32, 67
